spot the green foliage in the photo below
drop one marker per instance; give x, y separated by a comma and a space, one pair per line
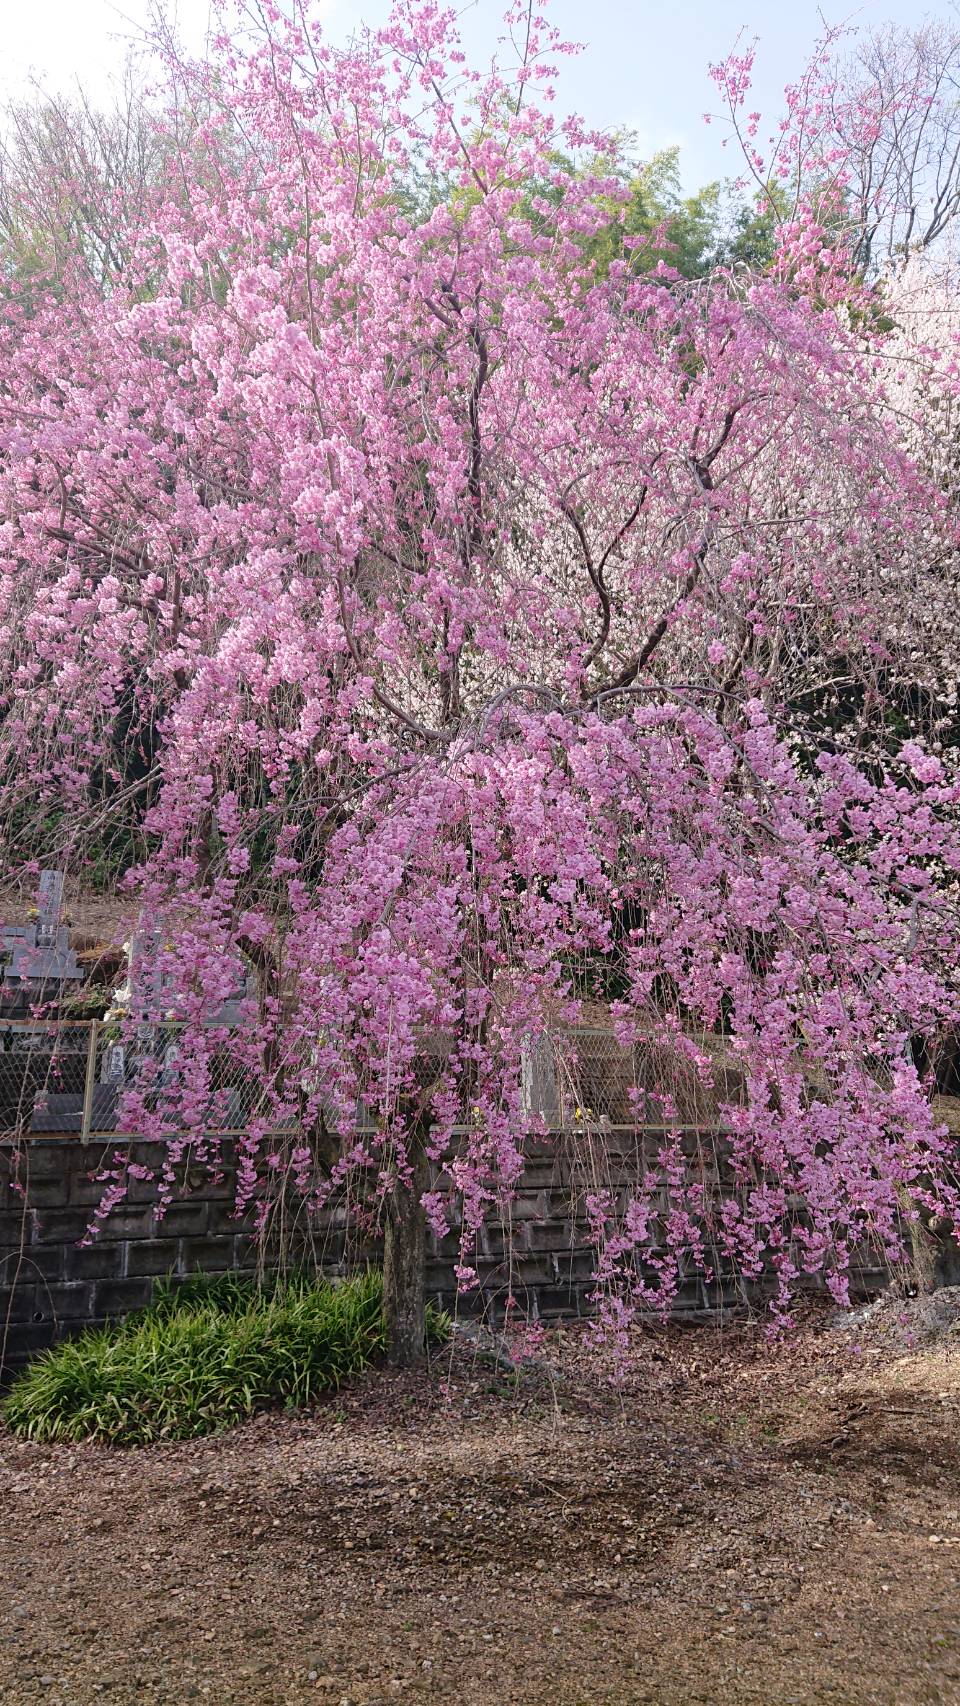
680, 230
38, 830
91, 1003
751, 240
692, 234
205, 1355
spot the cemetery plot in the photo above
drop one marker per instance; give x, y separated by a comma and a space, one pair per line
38, 957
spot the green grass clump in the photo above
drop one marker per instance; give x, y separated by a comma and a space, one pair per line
203, 1356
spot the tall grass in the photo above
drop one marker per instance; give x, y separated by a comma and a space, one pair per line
202, 1357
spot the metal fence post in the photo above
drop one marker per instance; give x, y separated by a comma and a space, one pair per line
89, 1081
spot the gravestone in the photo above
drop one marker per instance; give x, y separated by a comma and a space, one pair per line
43, 1066
151, 1033
539, 1090
49, 908
152, 991
40, 953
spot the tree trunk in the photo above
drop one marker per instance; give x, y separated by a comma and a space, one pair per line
404, 1265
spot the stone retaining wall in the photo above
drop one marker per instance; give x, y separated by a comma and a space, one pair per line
51, 1286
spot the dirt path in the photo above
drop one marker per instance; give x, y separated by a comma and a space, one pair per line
744, 1526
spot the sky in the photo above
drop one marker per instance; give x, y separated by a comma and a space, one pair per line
644, 64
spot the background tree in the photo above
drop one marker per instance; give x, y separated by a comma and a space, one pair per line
74, 182
868, 153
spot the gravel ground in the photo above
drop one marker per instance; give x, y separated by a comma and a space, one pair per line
742, 1524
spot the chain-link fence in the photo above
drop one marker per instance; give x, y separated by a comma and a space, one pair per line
41, 1066
587, 1077
84, 1078
81, 1078
165, 1077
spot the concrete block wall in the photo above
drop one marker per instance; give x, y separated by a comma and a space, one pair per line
51, 1286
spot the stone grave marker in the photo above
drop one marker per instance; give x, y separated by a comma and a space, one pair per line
40, 954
